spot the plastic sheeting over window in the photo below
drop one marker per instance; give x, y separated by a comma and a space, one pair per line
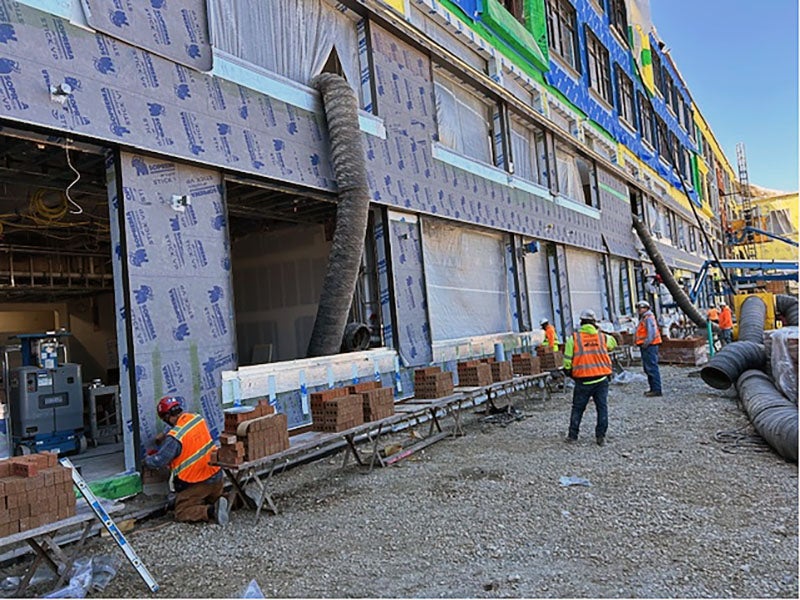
293, 39
464, 120
528, 152
585, 283
622, 302
569, 177
465, 275
539, 297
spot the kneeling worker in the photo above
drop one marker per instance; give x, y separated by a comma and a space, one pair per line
588, 362
550, 338
186, 450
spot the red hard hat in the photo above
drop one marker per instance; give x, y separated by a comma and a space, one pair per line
167, 406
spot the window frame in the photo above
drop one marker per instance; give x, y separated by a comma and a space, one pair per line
516, 121
618, 17
561, 16
598, 60
646, 122
625, 84
658, 75
516, 8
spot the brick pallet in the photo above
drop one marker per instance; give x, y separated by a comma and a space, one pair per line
377, 402
525, 364
687, 351
432, 382
35, 490
474, 373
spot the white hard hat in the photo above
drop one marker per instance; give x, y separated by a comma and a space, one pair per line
643, 304
722, 304
543, 321
588, 315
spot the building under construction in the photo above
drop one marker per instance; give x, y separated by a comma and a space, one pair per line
170, 196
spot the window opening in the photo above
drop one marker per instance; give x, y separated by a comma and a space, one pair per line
599, 78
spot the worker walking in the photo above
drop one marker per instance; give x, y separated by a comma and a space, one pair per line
186, 450
648, 338
713, 314
587, 361
725, 324
550, 338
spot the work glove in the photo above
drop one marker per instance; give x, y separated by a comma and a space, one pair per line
151, 452
568, 373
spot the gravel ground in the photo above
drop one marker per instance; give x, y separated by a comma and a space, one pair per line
670, 513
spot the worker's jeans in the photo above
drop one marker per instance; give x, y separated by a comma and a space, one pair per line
192, 503
726, 335
650, 366
580, 398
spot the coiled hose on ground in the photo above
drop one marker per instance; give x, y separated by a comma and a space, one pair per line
680, 297
352, 212
772, 415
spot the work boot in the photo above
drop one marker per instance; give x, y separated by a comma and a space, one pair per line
601, 440
570, 440
652, 394
221, 514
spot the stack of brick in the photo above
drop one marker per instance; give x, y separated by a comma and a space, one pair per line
35, 490
432, 382
377, 401
336, 410
525, 364
474, 373
501, 370
686, 351
252, 435
548, 359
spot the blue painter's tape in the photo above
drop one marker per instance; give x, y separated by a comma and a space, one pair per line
272, 389
304, 393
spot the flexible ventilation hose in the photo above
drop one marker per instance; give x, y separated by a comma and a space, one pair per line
725, 367
751, 320
680, 297
772, 415
787, 306
349, 168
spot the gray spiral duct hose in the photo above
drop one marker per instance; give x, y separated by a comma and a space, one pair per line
668, 278
772, 415
725, 367
787, 306
349, 168
751, 320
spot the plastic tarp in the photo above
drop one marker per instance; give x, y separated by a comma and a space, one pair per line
569, 177
784, 367
527, 152
465, 276
538, 283
585, 283
463, 120
622, 304
293, 39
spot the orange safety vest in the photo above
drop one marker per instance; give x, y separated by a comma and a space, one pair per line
641, 331
550, 337
725, 319
713, 314
591, 358
191, 465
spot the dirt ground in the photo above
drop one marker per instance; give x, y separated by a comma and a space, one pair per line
681, 504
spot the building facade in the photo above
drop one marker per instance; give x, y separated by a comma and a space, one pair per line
508, 147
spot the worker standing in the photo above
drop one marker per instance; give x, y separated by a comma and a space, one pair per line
713, 314
186, 450
648, 338
725, 324
550, 338
587, 361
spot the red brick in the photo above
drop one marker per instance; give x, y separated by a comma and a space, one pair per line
363, 386
24, 468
